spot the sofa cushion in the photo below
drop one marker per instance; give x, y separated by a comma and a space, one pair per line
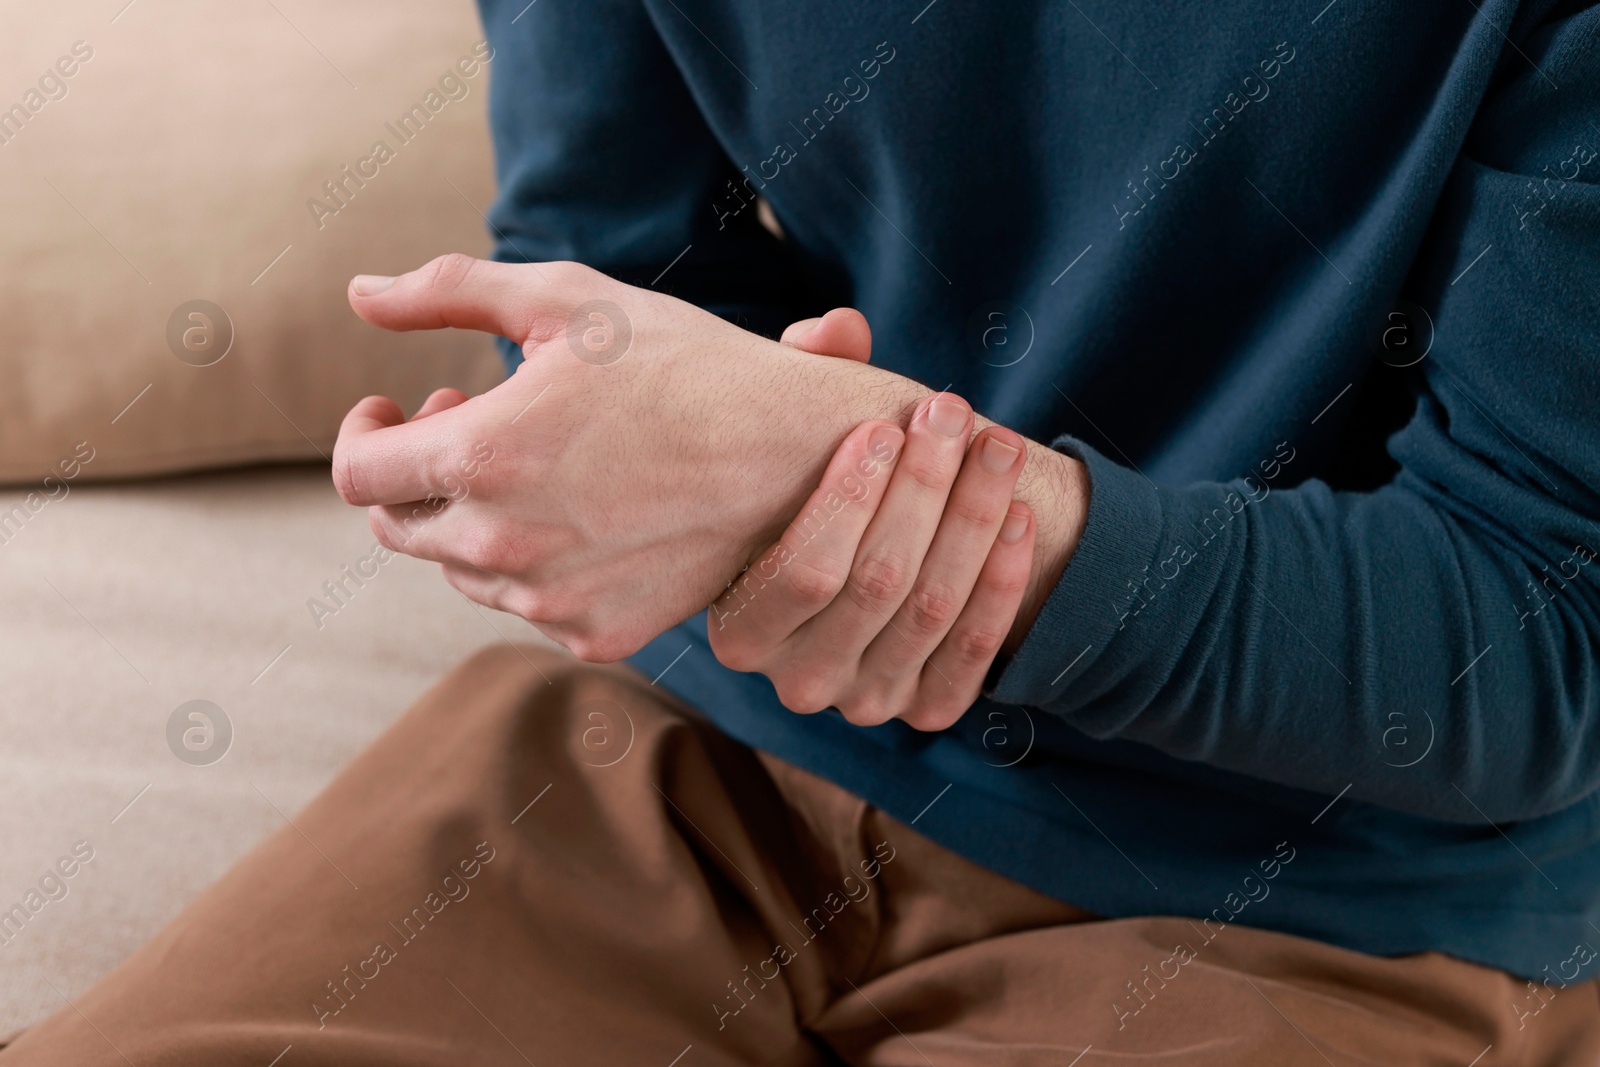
172, 159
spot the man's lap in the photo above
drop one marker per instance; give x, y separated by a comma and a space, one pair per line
544, 862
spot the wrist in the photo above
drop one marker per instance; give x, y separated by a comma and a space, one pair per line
1056, 487
814, 402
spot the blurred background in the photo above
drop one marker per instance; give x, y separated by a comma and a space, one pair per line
185, 190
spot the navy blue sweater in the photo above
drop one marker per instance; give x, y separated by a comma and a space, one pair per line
1309, 287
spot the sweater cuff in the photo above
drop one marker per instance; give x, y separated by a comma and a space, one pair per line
1083, 615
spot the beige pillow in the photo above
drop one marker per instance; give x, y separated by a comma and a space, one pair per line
176, 151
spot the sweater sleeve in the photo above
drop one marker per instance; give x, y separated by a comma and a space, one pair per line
1432, 646
603, 157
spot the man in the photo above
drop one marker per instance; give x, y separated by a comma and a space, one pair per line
1287, 749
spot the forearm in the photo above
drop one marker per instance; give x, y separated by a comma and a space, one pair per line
1264, 631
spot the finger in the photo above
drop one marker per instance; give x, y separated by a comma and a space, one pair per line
973, 514
521, 301
512, 597
796, 330
439, 400
378, 459
493, 590
954, 675
842, 332
892, 549
372, 413
444, 531
805, 570
414, 529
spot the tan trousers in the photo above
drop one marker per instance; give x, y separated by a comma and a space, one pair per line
569, 869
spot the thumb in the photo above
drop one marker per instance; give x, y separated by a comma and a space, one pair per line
842, 333
521, 301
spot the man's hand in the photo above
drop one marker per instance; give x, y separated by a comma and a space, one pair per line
640, 457
891, 592
896, 585
637, 460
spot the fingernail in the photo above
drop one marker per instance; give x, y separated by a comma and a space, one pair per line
947, 417
997, 456
370, 284
1013, 528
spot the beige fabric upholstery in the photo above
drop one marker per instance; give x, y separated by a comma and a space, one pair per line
176, 162
118, 603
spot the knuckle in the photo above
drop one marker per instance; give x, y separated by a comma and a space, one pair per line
479, 547
932, 715
804, 696
931, 607
500, 549
927, 472
345, 478
447, 272
879, 580
1011, 584
734, 654
978, 645
974, 512
734, 648
405, 528
869, 710
811, 584
527, 604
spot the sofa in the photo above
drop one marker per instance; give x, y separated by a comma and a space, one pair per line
197, 634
